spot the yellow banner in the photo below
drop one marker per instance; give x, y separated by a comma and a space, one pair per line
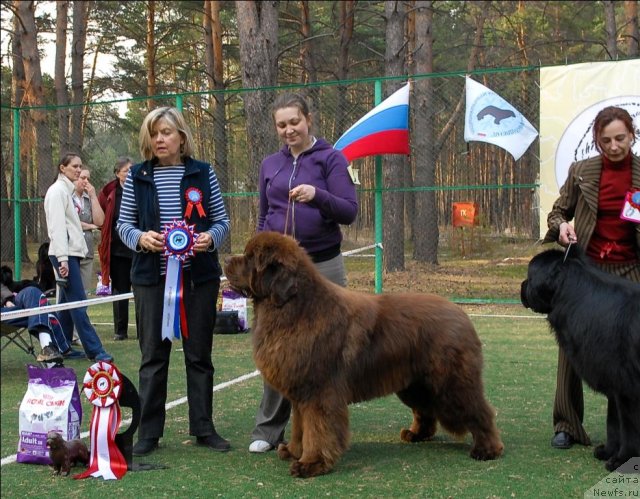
570, 98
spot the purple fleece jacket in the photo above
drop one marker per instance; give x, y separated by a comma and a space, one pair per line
314, 224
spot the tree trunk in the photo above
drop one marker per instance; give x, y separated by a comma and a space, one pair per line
426, 233
258, 37
80, 14
60, 74
346, 35
394, 166
632, 31
215, 77
34, 92
610, 29
150, 51
34, 96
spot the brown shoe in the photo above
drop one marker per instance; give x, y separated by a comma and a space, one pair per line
50, 354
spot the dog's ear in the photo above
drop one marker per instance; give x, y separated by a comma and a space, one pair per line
7, 276
274, 281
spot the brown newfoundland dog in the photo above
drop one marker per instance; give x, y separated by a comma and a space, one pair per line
324, 347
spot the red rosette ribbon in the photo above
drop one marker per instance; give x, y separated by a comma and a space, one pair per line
194, 198
102, 385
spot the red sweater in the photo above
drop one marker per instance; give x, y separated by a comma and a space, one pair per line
613, 238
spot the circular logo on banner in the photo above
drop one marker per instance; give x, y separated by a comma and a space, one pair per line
576, 142
492, 117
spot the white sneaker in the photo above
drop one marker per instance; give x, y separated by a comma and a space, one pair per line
260, 446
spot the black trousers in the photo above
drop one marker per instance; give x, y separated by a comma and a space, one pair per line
120, 270
200, 306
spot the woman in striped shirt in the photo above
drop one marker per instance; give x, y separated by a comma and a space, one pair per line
169, 186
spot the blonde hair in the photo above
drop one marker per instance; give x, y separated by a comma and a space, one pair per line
175, 118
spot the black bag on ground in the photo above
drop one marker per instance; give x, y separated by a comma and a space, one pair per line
227, 322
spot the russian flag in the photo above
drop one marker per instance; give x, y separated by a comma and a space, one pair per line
383, 130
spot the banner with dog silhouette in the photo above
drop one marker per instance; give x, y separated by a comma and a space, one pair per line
490, 118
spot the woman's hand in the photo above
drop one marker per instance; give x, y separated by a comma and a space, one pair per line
203, 243
302, 193
63, 269
151, 241
567, 235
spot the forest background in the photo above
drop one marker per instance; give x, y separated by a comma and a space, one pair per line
222, 62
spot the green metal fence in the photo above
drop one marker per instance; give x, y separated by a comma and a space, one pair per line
504, 191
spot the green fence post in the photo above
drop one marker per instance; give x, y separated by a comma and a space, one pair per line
179, 102
378, 201
17, 234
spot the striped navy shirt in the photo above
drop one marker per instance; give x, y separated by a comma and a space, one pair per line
167, 181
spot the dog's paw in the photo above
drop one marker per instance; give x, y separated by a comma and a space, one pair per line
407, 435
307, 470
614, 463
602, 452
284, 453
487, 452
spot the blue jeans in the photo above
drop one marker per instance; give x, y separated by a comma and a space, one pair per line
74, 291
32, 297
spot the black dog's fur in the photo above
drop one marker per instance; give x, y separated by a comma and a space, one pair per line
15, 286
44, 270
596, 319
44, 279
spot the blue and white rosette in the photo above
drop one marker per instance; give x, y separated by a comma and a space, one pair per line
179, 239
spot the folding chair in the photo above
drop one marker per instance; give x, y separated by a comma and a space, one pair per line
16, 335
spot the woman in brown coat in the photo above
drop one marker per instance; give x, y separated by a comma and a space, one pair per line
593, 197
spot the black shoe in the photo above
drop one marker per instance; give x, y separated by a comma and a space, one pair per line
74, 354
145, 446
214, 442
562, 440
120, 337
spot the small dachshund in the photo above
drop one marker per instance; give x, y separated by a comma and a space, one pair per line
66, 454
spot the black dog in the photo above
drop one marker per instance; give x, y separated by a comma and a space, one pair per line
596, 319
15, 286
45, 277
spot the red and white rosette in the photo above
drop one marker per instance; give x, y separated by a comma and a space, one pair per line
102, 386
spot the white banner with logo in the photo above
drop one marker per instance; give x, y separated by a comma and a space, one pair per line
570, 98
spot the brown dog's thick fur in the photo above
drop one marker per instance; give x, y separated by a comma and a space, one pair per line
66, 454
324, 347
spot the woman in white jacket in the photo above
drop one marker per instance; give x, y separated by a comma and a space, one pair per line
67, 246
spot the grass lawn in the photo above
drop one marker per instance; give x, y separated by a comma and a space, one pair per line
520, 364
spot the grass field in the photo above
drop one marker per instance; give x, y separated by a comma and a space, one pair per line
520, 362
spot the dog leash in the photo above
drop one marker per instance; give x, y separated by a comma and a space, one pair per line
290, 209
566, 252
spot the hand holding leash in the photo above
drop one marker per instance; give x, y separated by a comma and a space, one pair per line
567, 235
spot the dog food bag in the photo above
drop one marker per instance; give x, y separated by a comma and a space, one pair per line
101, 289
235, 301
52, 402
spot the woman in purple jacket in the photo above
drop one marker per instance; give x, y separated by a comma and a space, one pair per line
307, 193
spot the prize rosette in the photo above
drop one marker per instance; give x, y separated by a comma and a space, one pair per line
631, 208
103, 386
179, 239
194, 198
